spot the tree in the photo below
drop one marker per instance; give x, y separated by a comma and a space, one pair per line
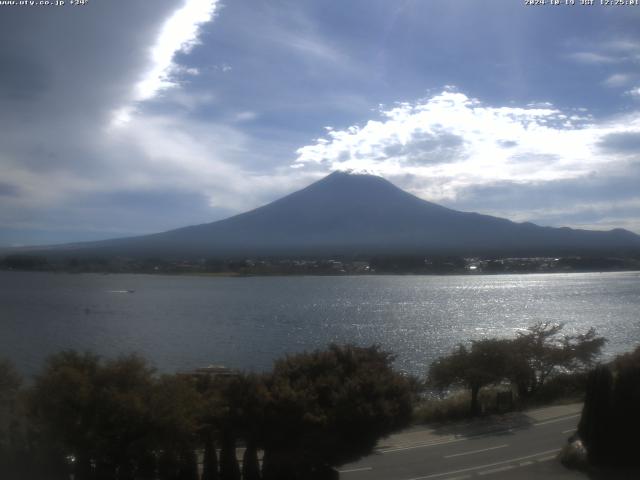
541, 352
595, 424
245, 400
528, 360
116, 415
176, 410
210, 459
124, 426
229, 469
610, 418
208, 426
219, 425
625, 412
485, 363
250, 464
62, 407
329, 407
235, 411
10, 382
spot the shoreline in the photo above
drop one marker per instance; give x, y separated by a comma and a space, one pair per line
333, 275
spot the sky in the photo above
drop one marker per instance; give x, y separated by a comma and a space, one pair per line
126, 117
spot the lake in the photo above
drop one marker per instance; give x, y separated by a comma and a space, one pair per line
182, 322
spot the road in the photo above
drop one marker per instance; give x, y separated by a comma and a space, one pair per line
517, 446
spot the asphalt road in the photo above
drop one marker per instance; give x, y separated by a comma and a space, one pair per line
519, 451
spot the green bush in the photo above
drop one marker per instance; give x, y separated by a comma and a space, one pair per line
455, 406
566, 387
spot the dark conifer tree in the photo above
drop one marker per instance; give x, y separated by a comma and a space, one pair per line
250, 464
210, 460
626, 415
229, 469
147, 466
188, 464
168, 466
595, 424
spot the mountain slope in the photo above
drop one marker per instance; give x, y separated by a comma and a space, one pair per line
360, 214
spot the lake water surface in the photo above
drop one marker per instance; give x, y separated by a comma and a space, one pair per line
182, 322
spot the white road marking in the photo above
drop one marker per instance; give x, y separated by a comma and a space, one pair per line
524, 464
475, 451
489, 465
422, 445
461, 439
569, 431
556, 420
496, 470
545, 459
361, 469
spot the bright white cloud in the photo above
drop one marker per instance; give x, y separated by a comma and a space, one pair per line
179, 34
453, 141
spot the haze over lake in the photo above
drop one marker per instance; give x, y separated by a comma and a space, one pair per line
182, 322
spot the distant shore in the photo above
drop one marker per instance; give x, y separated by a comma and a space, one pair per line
236, 274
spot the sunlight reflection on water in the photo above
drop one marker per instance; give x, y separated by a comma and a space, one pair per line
185, 322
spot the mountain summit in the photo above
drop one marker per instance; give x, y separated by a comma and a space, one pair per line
348, 214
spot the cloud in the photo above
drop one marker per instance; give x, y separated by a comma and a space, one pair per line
9, 190
609, 52
597, 201
161, 172
594, 58
453, 135
622, 53
424, 148
56, 102
457, 150
621, 143
62, 163
507, 143
246, 116
218, 124
189, 101
178, 34
618, 80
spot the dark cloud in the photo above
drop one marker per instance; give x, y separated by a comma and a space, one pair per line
8, 190
593, 199
156, 205
64, 70
22, 79
426, 148
607, 216
18, 237
625, 143
552, 194
151, 210
110, 214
